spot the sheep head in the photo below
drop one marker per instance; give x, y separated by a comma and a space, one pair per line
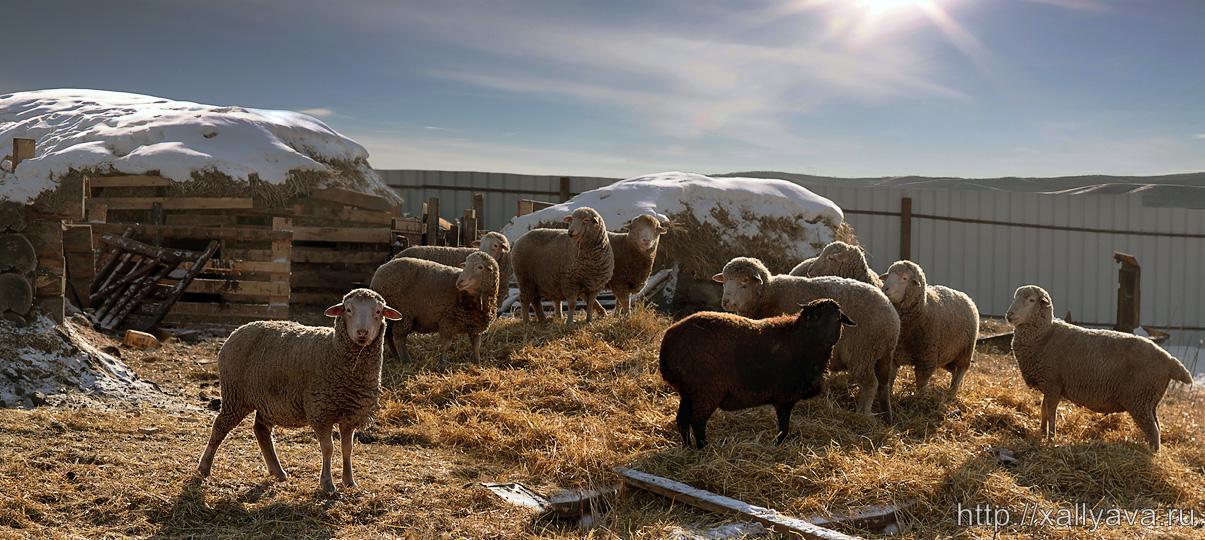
743, 279
823, 319
586, 224
835, 257
645, 231
495, 244
1031, 305
362, 314
904, 281
478, 275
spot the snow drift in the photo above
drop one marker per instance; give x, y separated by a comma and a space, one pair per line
117, 132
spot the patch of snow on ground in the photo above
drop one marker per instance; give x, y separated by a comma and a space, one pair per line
135, 134
672, 192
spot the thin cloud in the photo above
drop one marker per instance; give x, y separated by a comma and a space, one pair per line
438, 128
1199, 136
320, 112
1094, 6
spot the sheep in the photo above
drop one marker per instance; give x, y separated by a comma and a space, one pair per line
634, 253
433, 297
865, 351
559, 264
938, 325
493, 243
720, 360
1103, 370
294, 376
841, 260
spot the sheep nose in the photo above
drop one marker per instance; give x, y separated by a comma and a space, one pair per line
363, 332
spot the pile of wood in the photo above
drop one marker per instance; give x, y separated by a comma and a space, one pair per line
32, 266
138, 283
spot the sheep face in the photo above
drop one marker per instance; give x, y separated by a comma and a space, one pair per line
584, 223
495, 244
1030, 303
743, 279
900, 278
834, 257
473, 273
645, 231
824, 319
363, 313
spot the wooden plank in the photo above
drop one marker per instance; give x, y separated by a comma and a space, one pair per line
707, 500
431, 217
176, 203
906, 229
234, 287
329, 279
228, 309
23, 149
234, 266
872, 518
238, 234
342, 234
479, 208
353, 198
316, 298
321, 255
128, 181
468, 227
77, 238
97, 211
201, 220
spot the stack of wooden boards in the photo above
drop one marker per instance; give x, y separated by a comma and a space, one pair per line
309, 250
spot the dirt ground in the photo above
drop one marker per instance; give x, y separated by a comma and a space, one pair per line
556, 407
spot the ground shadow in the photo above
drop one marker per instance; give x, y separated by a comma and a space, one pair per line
188, 516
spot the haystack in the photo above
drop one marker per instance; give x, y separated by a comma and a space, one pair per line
711, 221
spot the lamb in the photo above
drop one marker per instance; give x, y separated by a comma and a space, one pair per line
559, 264
1103, 370
493, 243
938, 325
865, 351
634, 253
841, 260
720, 360
294, 376
433, 297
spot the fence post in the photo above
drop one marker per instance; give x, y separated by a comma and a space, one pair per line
22, 149
432, 233
479, 209
564, 188
906, 229
468, 227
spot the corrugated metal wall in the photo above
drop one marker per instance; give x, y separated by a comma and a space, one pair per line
987, 261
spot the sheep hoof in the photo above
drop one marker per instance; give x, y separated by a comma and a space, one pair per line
280, 476
349, 483
328, 486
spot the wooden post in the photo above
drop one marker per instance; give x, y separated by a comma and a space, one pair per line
1129, 292
23, 149
479, 209
431, 236
906, 229
468, 227
282, 254
98, 211
564, 188
157, 218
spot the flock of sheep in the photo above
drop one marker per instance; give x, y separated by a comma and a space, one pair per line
780, 337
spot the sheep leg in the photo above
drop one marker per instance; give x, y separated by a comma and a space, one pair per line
885, 372
868, 385
225, 421
398, 341
1050, 408
558, 310
623, 303
346, 437
475, 339
699, 414
784, 419
598, 307
328, 448
572, 303
445, 344
923, 374
263, 435
590, 298
538, 306
1148, 422
683, 420
957, 372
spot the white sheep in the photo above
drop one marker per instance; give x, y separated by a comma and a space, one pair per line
634, 253
938, 325
563, 265
493, 243
865, 350
839, 259
297, 376
1103, 370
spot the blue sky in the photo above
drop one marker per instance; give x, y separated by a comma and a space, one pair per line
619, 88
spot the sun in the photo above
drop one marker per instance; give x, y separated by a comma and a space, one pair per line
877, 7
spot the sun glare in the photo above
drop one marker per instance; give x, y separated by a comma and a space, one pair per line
878, 7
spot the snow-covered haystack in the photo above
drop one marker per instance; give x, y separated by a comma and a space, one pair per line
207, 149
712, 219
47, 363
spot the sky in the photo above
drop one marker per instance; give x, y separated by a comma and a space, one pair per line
620, 88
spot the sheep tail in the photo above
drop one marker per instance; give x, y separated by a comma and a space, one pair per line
1178, 371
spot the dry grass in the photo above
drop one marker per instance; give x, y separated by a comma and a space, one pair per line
556, 407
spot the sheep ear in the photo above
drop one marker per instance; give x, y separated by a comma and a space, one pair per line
567, 219
718, 278
846, 320
334, 311
662, 229
461, 265
391, 314
883, 276
1045, 301
476, 243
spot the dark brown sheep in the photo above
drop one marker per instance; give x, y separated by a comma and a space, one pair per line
720, 360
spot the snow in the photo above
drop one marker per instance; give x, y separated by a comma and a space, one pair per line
670, 193
135, 134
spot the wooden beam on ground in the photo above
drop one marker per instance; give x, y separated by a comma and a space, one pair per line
871, 518
707, 500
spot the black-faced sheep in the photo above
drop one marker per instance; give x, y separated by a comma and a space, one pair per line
433, 297
938, 325
493, 243
841, 260
296, 376
563, 265
634, 253
721, 360
865, 351
1102, 370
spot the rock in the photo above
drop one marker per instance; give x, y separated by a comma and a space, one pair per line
140, 340
111, 350
38, 399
